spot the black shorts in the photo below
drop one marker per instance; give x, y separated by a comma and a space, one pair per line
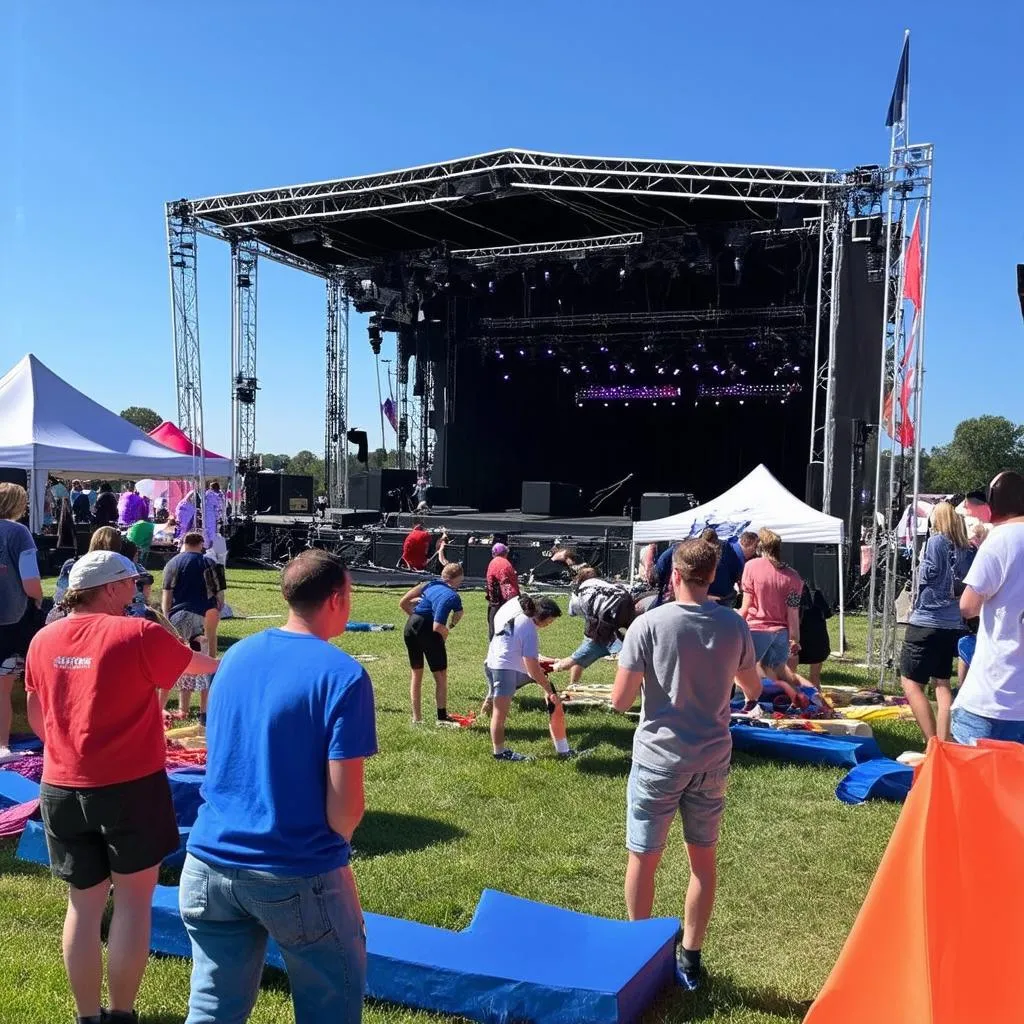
123, 828
928, 653
422, 642
15, 638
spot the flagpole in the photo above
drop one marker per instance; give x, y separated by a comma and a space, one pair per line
919, 376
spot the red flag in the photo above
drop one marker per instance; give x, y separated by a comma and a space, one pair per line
912, 266
906, 432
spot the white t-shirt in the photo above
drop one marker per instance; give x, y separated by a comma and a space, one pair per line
515, 638
994, 687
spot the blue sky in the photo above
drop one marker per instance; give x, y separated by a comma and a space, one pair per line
111, 109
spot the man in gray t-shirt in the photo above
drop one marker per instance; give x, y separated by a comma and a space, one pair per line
684, 656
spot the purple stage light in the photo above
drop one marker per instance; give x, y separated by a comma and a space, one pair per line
782, 391
625, 392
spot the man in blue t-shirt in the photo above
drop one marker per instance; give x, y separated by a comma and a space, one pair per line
189, 579
291, 720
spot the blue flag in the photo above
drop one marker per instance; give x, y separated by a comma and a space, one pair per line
898, 104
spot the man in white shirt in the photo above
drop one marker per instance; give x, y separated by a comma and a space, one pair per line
990, 704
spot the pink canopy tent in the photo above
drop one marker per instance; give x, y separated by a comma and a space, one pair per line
175, 438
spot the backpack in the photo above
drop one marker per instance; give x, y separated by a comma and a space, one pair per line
607, 609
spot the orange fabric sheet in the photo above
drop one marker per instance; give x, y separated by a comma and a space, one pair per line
940, 937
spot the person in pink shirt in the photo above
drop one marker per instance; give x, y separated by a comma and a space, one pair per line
771, 608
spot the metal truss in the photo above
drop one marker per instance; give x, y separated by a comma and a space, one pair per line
568, 247
831, 229
336, 405
244, 385
262, 248
182, 257
584, 321
458, 180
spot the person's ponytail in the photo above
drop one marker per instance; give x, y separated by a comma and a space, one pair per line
528, 605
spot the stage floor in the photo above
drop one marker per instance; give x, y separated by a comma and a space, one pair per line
515, 522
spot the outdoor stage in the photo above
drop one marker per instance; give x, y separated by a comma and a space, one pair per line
574, 319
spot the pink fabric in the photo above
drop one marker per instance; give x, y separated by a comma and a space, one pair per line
12, 820
30, 766
174, 437
772, 591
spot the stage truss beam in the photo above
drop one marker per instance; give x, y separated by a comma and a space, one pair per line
244, 383
568, 247
182, 251
336, 404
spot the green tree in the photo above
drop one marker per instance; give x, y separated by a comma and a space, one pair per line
143, 418
980, 448
305, 463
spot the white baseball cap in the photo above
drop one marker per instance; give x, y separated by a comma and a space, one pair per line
98, 568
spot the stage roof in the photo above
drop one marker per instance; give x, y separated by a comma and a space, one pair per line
511, 197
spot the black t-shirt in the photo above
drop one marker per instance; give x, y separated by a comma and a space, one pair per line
185, 577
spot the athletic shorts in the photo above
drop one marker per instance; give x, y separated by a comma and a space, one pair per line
588, 652
15, 638
123, 828
771, 649
503, 682
928, 653
653, 800
422, 642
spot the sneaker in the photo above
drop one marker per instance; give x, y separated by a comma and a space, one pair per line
688, 979
447, 723
120, 1017
567, 755
511, 755
6, 754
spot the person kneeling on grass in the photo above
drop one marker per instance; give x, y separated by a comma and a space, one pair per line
683, 656
434, 609
513, 659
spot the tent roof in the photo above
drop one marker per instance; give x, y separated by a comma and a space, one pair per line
172, 436
758, 500
47, 425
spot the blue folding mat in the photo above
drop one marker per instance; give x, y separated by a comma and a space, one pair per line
16, 789
516, 961
881, 779
806, 747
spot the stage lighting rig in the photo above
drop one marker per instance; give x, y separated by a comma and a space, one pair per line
373, 331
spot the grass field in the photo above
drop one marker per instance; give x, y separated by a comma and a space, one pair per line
444, 821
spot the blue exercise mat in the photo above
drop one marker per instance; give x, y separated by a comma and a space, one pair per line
369, 627
185, 792
16, 789
25, 743
882, 779
805, 747
517, 961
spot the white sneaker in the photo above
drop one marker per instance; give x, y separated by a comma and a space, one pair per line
6, 754
447, 723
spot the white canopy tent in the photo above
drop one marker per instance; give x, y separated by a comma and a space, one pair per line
757, 501
48, 427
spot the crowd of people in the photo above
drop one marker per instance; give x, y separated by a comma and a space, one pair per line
269, 854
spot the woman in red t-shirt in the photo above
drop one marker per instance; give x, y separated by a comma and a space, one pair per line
771, 607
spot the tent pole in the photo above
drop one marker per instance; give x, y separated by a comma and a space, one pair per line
842, 601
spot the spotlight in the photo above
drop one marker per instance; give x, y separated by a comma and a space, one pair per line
715, 368
551, 351
604, 348
675, 372
500, 354
612, 367
491, 287
632, 370
522, 352
547, 276
661, 369
622, 274
695, 367
505, 377
742, 401
373, 332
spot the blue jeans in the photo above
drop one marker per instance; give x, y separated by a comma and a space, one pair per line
968, 728
771, 648
589, 652
653, 799
316, 922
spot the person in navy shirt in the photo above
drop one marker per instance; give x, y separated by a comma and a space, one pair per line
269, 853
434, 609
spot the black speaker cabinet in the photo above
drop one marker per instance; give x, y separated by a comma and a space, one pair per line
296, 495
814, 486
547, 498
378, 489
13, 476
658, 505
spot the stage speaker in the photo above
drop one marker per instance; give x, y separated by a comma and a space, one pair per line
814, 485
375, 490
296, 495
547, 498
263, 494
439, 496
658, 505
387, 549
825, 576
476, 559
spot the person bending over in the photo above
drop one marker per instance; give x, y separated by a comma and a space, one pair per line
606, 608
291, 722
415, 548
105, 799
434, 609
683, 657
513, 659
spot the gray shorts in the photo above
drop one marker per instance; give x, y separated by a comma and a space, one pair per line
653, 799
503, 682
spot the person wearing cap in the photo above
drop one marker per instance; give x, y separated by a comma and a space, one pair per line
92, 682
502, 584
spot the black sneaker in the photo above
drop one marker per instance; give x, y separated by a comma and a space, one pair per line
567, 755
511, 755
120, 1017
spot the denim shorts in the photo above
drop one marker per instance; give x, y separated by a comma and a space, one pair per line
503, 682
771, 649
653, 799
968, 728
588, 652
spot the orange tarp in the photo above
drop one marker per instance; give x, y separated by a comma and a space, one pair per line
940, 938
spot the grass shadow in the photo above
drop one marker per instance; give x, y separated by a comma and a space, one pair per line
605, 767
383, 832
